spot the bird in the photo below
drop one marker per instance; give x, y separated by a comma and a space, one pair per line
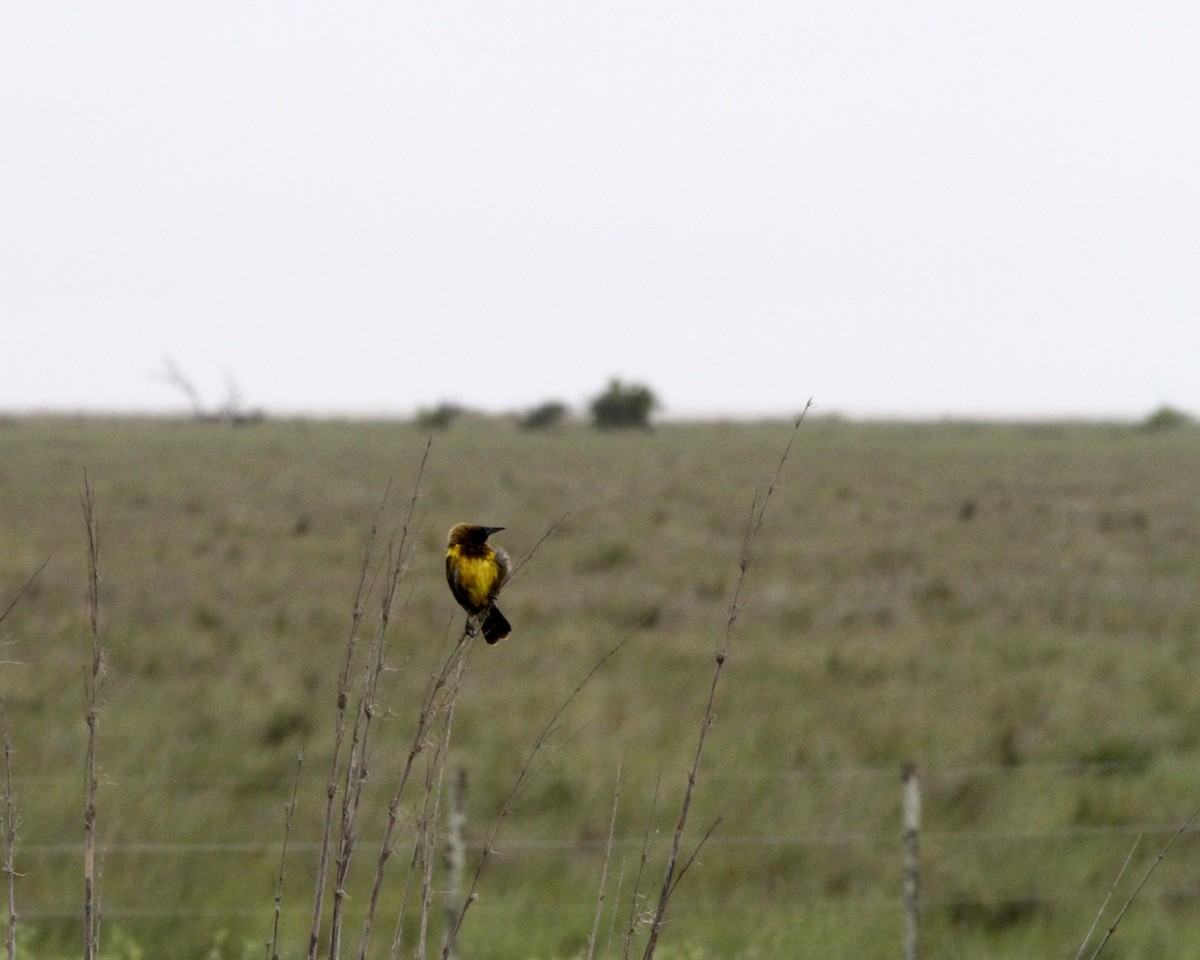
476, 571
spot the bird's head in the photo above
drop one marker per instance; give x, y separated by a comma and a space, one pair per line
470, 534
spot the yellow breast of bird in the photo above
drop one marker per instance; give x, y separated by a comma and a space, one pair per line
474, 577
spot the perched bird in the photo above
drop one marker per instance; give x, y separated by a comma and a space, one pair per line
476, 572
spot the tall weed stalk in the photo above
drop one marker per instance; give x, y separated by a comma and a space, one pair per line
352, 775
8, 801
673, 872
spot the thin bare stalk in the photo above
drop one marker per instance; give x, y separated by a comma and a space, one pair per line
437, 716
636, 896
273, 945
11, 820
696, 852
362, 591
99, 902
414, 869
11, 815
1138, 889
517, 789
356, 763
534, 549
757, 512
438, 702
440, 696
21, 593
93, 681
1108, 897
402, 910
355, 780
612, 922
427, 831
668, 882
602, 893
398, 554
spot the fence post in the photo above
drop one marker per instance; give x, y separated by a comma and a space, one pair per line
455, 860
912, 876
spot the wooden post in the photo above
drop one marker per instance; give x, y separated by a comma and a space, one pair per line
912, 827
455, 860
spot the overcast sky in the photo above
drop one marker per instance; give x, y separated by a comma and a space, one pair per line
968, 209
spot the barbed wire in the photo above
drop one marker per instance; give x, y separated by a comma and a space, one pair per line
634, 841
286, 777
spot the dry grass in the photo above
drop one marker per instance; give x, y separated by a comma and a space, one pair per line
1012, 608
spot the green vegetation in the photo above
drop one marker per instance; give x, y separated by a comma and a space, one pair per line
623, 406
1166, 418
544, 416
1012, 608
440, 417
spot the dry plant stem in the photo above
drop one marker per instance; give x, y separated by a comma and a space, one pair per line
1141, 883
757, 512
612, 921
402, 911
438, 706
430, 708
441, 692
427, 831
11, 815
343, 700
398, 554
438, 702
99, 905
12, 821
1108, 897
273, 945
518, 785
668, 883
696, 852
435, 726
355, 767
425, 852
603, 891
355, 780
532, 550
635, 898
21, 593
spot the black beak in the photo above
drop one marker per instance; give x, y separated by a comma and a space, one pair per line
488, 531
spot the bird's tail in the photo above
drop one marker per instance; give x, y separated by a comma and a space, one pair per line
495, 626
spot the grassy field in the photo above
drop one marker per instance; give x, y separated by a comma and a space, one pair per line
1012, 608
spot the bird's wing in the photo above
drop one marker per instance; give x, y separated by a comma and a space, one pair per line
503, 563
454, 578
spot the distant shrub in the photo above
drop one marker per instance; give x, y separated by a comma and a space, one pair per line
546, 416
1118, 753
1166, 418
440, 417
976, 913
623, 406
